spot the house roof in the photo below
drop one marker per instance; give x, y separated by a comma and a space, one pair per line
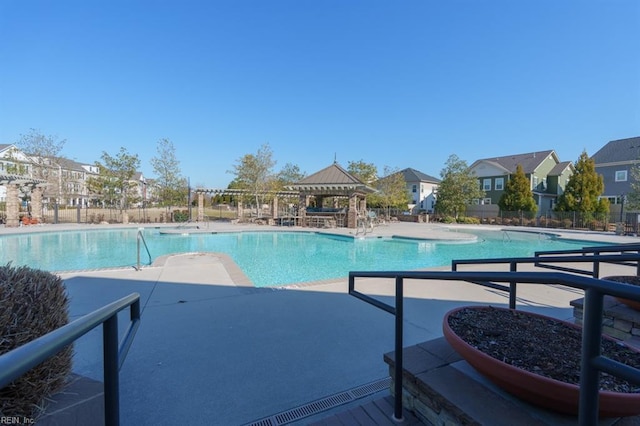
529, 161
618, 151
413, 175
559, 168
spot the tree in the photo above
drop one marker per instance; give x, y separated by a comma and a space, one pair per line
392, 191
172, 188
583, 189
457, 188
114, 183
633, 197
254, 172
366, 172
44, 152
289, 175
517, 195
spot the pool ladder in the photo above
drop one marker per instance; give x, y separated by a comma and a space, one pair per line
139, 238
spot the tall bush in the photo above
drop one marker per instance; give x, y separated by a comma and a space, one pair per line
32, 304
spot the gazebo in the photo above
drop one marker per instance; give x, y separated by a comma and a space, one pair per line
326, 187
14, 184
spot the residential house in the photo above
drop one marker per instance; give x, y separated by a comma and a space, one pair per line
614, 162
12, 162
547, 174
67, 179
422, 189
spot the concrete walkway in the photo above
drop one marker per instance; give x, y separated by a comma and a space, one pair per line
212, 349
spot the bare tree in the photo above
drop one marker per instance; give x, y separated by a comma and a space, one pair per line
254, 172
44, 152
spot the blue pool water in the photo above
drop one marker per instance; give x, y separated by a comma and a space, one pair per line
267, 258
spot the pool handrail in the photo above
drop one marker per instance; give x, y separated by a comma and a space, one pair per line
140, 237
596, 250
20, 360
627, 259
592, 361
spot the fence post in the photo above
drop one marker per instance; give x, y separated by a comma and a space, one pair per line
55, 212
78, 216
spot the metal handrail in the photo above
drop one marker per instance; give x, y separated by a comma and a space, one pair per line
139, 238
19, 361
598, 250
592, 361
595, 260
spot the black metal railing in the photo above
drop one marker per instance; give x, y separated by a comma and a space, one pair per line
586, 251
17, 362
552, 261
592, 361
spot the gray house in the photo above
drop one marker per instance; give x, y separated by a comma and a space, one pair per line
614, 162
548, 176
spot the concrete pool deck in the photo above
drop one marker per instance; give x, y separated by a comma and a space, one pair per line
211, 349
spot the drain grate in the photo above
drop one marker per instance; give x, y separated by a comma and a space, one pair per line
323, 404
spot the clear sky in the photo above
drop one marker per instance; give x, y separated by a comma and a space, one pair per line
394, 83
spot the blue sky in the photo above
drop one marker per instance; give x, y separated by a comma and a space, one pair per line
394, 83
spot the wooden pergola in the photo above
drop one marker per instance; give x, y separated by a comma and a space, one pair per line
14, 185
219, 191
331, 183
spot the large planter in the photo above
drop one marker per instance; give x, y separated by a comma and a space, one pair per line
627, 279
534, 388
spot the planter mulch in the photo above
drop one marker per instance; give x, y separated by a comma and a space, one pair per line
542, 346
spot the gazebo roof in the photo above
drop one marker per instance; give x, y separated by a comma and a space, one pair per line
332, 179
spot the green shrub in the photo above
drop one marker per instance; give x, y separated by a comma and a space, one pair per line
181, 215
32, 304
469, 220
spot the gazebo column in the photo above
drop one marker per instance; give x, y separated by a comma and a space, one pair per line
319, 201
36, 203
274, 207
352, 212
240, 210
13, 206
200, 207
303, 202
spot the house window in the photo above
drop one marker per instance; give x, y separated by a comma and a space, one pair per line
486, 201
621, 175
486, 184
499, 184
413, 188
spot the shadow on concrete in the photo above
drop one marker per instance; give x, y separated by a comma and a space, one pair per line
221, 354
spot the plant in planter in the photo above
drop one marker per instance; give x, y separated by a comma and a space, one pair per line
627, 279
32, 304
537, 358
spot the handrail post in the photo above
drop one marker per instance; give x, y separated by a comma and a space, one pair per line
596, 266
397, 407
138, 242
591, 341
513, 267
111, 375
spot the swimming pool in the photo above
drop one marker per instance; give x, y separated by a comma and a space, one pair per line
267, 258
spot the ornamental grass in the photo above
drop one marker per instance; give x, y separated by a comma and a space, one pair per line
32, 304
